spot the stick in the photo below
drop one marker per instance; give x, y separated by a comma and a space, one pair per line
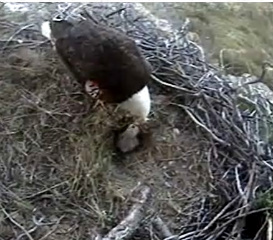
17, 224
269, 229
162, 229
171, 85
127, 227
16, 33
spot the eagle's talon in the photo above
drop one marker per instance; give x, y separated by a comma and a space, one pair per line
94, 94
99, 103
91, 89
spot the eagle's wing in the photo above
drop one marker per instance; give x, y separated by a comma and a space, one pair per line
98, 53
131, 44
72, 58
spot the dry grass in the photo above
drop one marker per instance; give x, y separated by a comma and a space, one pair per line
62, 178
241, 31
58, 162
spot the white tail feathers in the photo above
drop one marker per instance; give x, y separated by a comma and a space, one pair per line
139, 104
46, 31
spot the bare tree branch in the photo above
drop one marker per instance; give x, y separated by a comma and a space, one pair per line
127, 227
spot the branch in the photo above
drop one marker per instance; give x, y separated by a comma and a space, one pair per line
127, 227
171, 85
26, 232
269, 229
162, 229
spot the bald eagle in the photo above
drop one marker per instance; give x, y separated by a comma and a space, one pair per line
103, 59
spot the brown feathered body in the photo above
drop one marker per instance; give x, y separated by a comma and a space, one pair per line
107, 57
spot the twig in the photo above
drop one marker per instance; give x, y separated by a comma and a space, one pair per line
52, 230
16, 33
202, 125
239, 187
88, 15
127, 227
172, 86
163, 229
218, 216
269, 229
45, 190
258, 234
115, 12
17, 224
261, 78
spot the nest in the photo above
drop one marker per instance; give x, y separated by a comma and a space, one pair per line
236, 126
